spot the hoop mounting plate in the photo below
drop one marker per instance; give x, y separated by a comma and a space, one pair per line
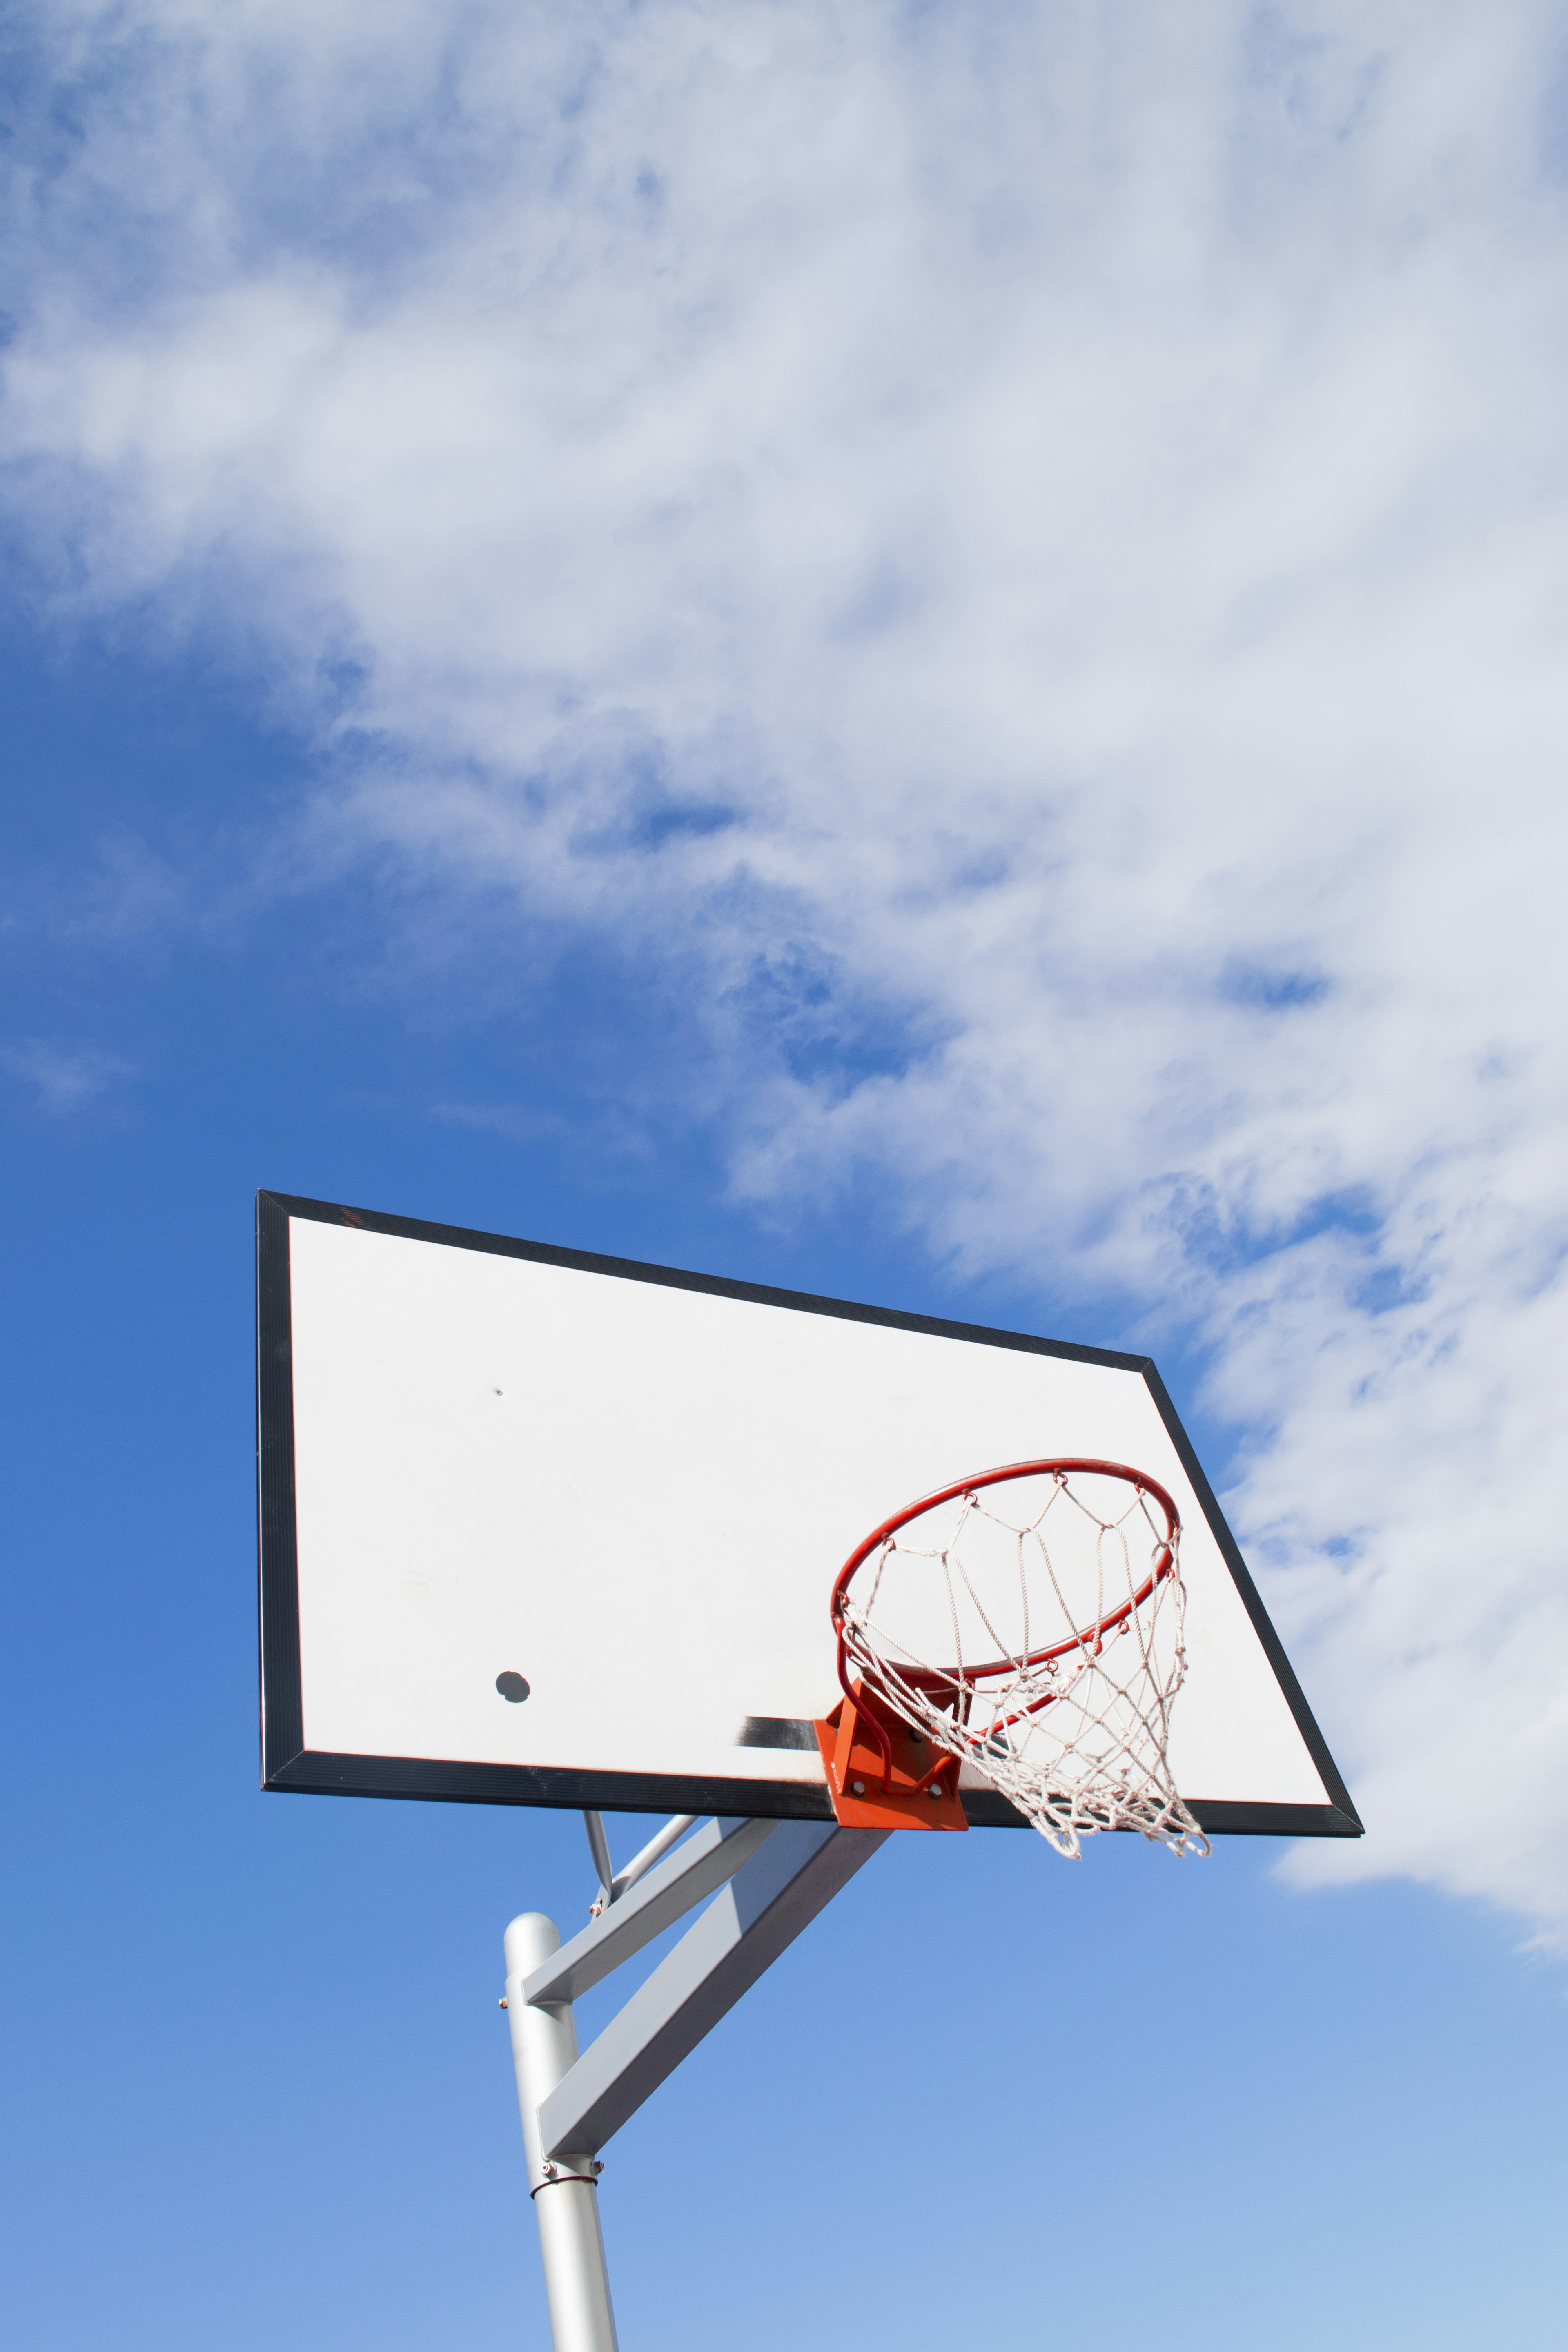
922, 1786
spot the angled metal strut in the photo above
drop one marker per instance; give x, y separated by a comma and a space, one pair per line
767, 1880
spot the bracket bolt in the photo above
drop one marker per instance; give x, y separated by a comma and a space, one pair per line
595, 2168
548, 2170
857, 1787
935, 1791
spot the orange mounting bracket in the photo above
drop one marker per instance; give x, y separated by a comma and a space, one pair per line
919, 1791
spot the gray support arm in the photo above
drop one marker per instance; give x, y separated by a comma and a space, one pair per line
798, 1869
673, 1887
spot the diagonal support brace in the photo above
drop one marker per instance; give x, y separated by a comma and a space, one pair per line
656, 1902
797, 1868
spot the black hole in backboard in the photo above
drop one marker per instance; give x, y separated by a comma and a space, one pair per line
511, 1687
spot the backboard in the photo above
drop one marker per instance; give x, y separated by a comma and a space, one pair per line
545, 1528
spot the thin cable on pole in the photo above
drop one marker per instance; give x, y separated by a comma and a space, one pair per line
599, 1847
655, 1850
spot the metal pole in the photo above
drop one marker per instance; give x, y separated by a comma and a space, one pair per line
565, 2197
599, 1847
655, 1850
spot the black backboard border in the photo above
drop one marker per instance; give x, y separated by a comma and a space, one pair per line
288, 1765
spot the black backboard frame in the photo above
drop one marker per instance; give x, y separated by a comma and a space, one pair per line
288, 1765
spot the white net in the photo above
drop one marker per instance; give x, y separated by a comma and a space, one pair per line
1057, 1600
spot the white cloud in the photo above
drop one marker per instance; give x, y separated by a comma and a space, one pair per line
65, 1078
1048, 523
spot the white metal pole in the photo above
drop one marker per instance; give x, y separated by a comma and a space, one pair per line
599, 1847
565, 2197
655, 1850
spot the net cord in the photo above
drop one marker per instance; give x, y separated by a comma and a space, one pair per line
1073, 1733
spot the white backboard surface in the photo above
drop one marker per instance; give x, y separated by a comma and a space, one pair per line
629, 1489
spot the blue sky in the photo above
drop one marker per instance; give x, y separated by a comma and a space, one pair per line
916, 654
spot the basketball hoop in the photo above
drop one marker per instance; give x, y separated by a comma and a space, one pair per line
1063, 1622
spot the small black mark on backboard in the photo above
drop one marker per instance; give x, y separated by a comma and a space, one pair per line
511, 1687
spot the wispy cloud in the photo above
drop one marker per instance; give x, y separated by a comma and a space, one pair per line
64, 1078
1013, 562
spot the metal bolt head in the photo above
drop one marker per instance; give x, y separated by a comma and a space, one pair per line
935, 1791
501, 2004
595, 2168
548, 2170
857, 1787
